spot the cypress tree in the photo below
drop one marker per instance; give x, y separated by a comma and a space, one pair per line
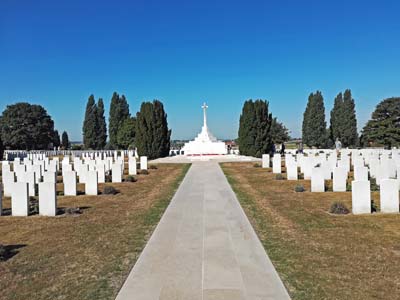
336, 118
314, 125
343, 120
102, 127
119, 111
90, 127
65, 140
255, 123
349, 129
152, 133
56, 139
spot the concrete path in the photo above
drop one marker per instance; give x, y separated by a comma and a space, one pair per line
204, 248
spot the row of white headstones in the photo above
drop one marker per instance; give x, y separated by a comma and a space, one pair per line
321, 165
38, 170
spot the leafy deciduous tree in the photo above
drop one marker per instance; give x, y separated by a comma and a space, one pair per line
27, 127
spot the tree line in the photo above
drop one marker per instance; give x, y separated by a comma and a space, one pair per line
383, 129
147, 131
259, 130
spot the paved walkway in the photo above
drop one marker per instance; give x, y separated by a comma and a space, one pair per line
204, 248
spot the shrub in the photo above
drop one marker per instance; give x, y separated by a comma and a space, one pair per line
299, 188
143, 172
338, 208
257, 165
374, 186
130, 178
279, 177
109, 190
348, 186
153, 167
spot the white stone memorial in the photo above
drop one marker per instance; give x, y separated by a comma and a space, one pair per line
143, 163
47, 199
205, 143
339, 179
317, 180
91, 183
276, 164
69, 179
116, 173
19, 199
291, 170
265, 160
132, 166
361, 197
389, 192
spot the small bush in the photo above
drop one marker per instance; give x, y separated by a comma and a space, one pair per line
279, 177
374, 186
348, 186
153, 167
130, 178
338, 208
299, 188
109, 190
144, 172
257, 165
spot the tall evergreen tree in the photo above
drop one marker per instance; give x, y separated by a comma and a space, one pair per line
126, 134
336, 119
56, 139
314, 125
384, 126
152, 133
90, 125
65, 140
119, 111
102, 127
255, 123
343, 120
349, 131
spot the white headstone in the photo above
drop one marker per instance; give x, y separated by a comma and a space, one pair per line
389, 191
116, 173
50, 176
360, 173
47, 199
132, 166
265, 160
339, 179
8, 181
317, 180
143, 162
91, 183
276, 164
361, 197
19, 199
291, 170
101, 177
69, 179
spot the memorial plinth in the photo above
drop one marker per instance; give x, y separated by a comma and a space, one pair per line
205, 143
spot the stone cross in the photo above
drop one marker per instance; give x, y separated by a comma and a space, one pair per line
204, 107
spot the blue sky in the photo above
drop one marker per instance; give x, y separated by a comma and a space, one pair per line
56, 53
